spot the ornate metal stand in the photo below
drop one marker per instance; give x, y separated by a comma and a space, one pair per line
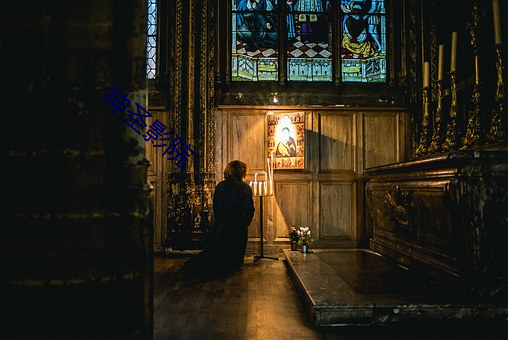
422, 146
497, 133
435, 144
472, 136
450, 142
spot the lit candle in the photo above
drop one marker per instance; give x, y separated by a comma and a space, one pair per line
440, 62
426, 74
265, 191
260, 188
453, 61
497, 22
255, 177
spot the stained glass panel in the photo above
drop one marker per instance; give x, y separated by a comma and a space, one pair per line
254, 40
363, 41
309, 28
151, 39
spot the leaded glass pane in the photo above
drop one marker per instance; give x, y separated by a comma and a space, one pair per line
309, 27
151, 39
254, 40
363, 41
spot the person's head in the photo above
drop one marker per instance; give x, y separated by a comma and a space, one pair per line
285, 133
235, 170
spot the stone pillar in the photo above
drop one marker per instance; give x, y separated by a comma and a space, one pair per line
75, 241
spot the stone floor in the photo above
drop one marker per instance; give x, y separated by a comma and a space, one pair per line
263, 302
359, 287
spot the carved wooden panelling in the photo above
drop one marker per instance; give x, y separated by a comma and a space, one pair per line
336, 142
292, 207
324, 196
379, 140
336, 210
415, 214
247, 140
254, 226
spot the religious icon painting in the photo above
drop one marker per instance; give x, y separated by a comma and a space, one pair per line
286, 140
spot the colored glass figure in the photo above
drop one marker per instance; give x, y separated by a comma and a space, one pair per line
119, 101
310, 17
309, 25
151, 39
290, 19
154, 131
177, 148
363, 43
255, 39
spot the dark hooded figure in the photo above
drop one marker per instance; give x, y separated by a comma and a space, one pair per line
233, 208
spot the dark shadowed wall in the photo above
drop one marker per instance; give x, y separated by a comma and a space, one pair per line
75, 237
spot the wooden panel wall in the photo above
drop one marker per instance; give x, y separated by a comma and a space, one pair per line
247, 142
157, 172
327, 195
380, 139
337, 144
337, 202
293, 206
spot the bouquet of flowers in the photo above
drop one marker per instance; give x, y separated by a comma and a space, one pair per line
304, 236
293, 235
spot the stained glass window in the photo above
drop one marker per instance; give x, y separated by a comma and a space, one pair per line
151, 39
363, 41
309, 37
254, 40
319, 37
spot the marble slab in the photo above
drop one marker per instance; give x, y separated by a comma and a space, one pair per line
345, 287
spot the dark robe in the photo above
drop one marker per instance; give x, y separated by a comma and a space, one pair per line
233, 208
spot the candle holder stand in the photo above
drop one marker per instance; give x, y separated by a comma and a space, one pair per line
450, 142
422, 146
261, 237
435, 145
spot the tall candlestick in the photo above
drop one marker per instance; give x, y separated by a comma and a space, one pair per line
453, 61
426, 74
497, 22
271, 175
269, 169
268, 165
440, 62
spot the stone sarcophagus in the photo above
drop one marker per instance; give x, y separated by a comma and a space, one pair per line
445, 216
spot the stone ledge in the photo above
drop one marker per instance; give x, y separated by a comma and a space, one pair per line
331, 301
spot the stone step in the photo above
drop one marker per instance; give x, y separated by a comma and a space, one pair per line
348, 287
